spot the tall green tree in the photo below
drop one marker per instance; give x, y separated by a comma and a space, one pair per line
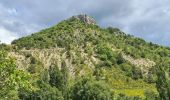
55, 77
65, 81
161, 84
59, 79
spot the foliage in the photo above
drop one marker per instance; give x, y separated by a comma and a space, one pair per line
59, 79
162, 85
45, 92
87, 89
104, 49
150, 95
55, 77
11, 79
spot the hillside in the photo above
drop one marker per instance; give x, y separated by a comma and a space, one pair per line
77, 51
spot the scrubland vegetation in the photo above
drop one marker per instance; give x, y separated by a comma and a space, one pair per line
90, 65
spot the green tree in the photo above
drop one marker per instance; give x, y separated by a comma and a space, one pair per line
161, 84
120, 59
44, 90
11, 79
150, 95
59, 79
65, 81
55, 77
136, 73
88, 89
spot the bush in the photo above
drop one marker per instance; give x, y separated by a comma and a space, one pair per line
150, 95
120, 59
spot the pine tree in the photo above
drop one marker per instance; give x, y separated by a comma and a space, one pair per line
55, 77
59, 79
65, 87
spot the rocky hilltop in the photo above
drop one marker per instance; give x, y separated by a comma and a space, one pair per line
85, 18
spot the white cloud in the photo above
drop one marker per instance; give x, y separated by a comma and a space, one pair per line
6, 36
12, 11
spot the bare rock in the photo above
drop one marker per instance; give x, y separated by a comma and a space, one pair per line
86, 19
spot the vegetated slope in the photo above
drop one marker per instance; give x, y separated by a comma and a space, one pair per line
125, 63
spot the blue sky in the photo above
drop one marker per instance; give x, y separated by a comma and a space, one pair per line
148, 19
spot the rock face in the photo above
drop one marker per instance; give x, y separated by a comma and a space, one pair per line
86, 19
54, 56
144, 64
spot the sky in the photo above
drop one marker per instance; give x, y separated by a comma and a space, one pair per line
147, 19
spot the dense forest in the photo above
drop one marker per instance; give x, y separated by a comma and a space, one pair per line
78, 60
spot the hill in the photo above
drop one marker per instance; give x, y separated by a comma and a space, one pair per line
77, 59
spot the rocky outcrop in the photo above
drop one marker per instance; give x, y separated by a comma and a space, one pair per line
86, 19
144, 64
48, 57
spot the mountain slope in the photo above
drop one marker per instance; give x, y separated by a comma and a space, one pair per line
125, 63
